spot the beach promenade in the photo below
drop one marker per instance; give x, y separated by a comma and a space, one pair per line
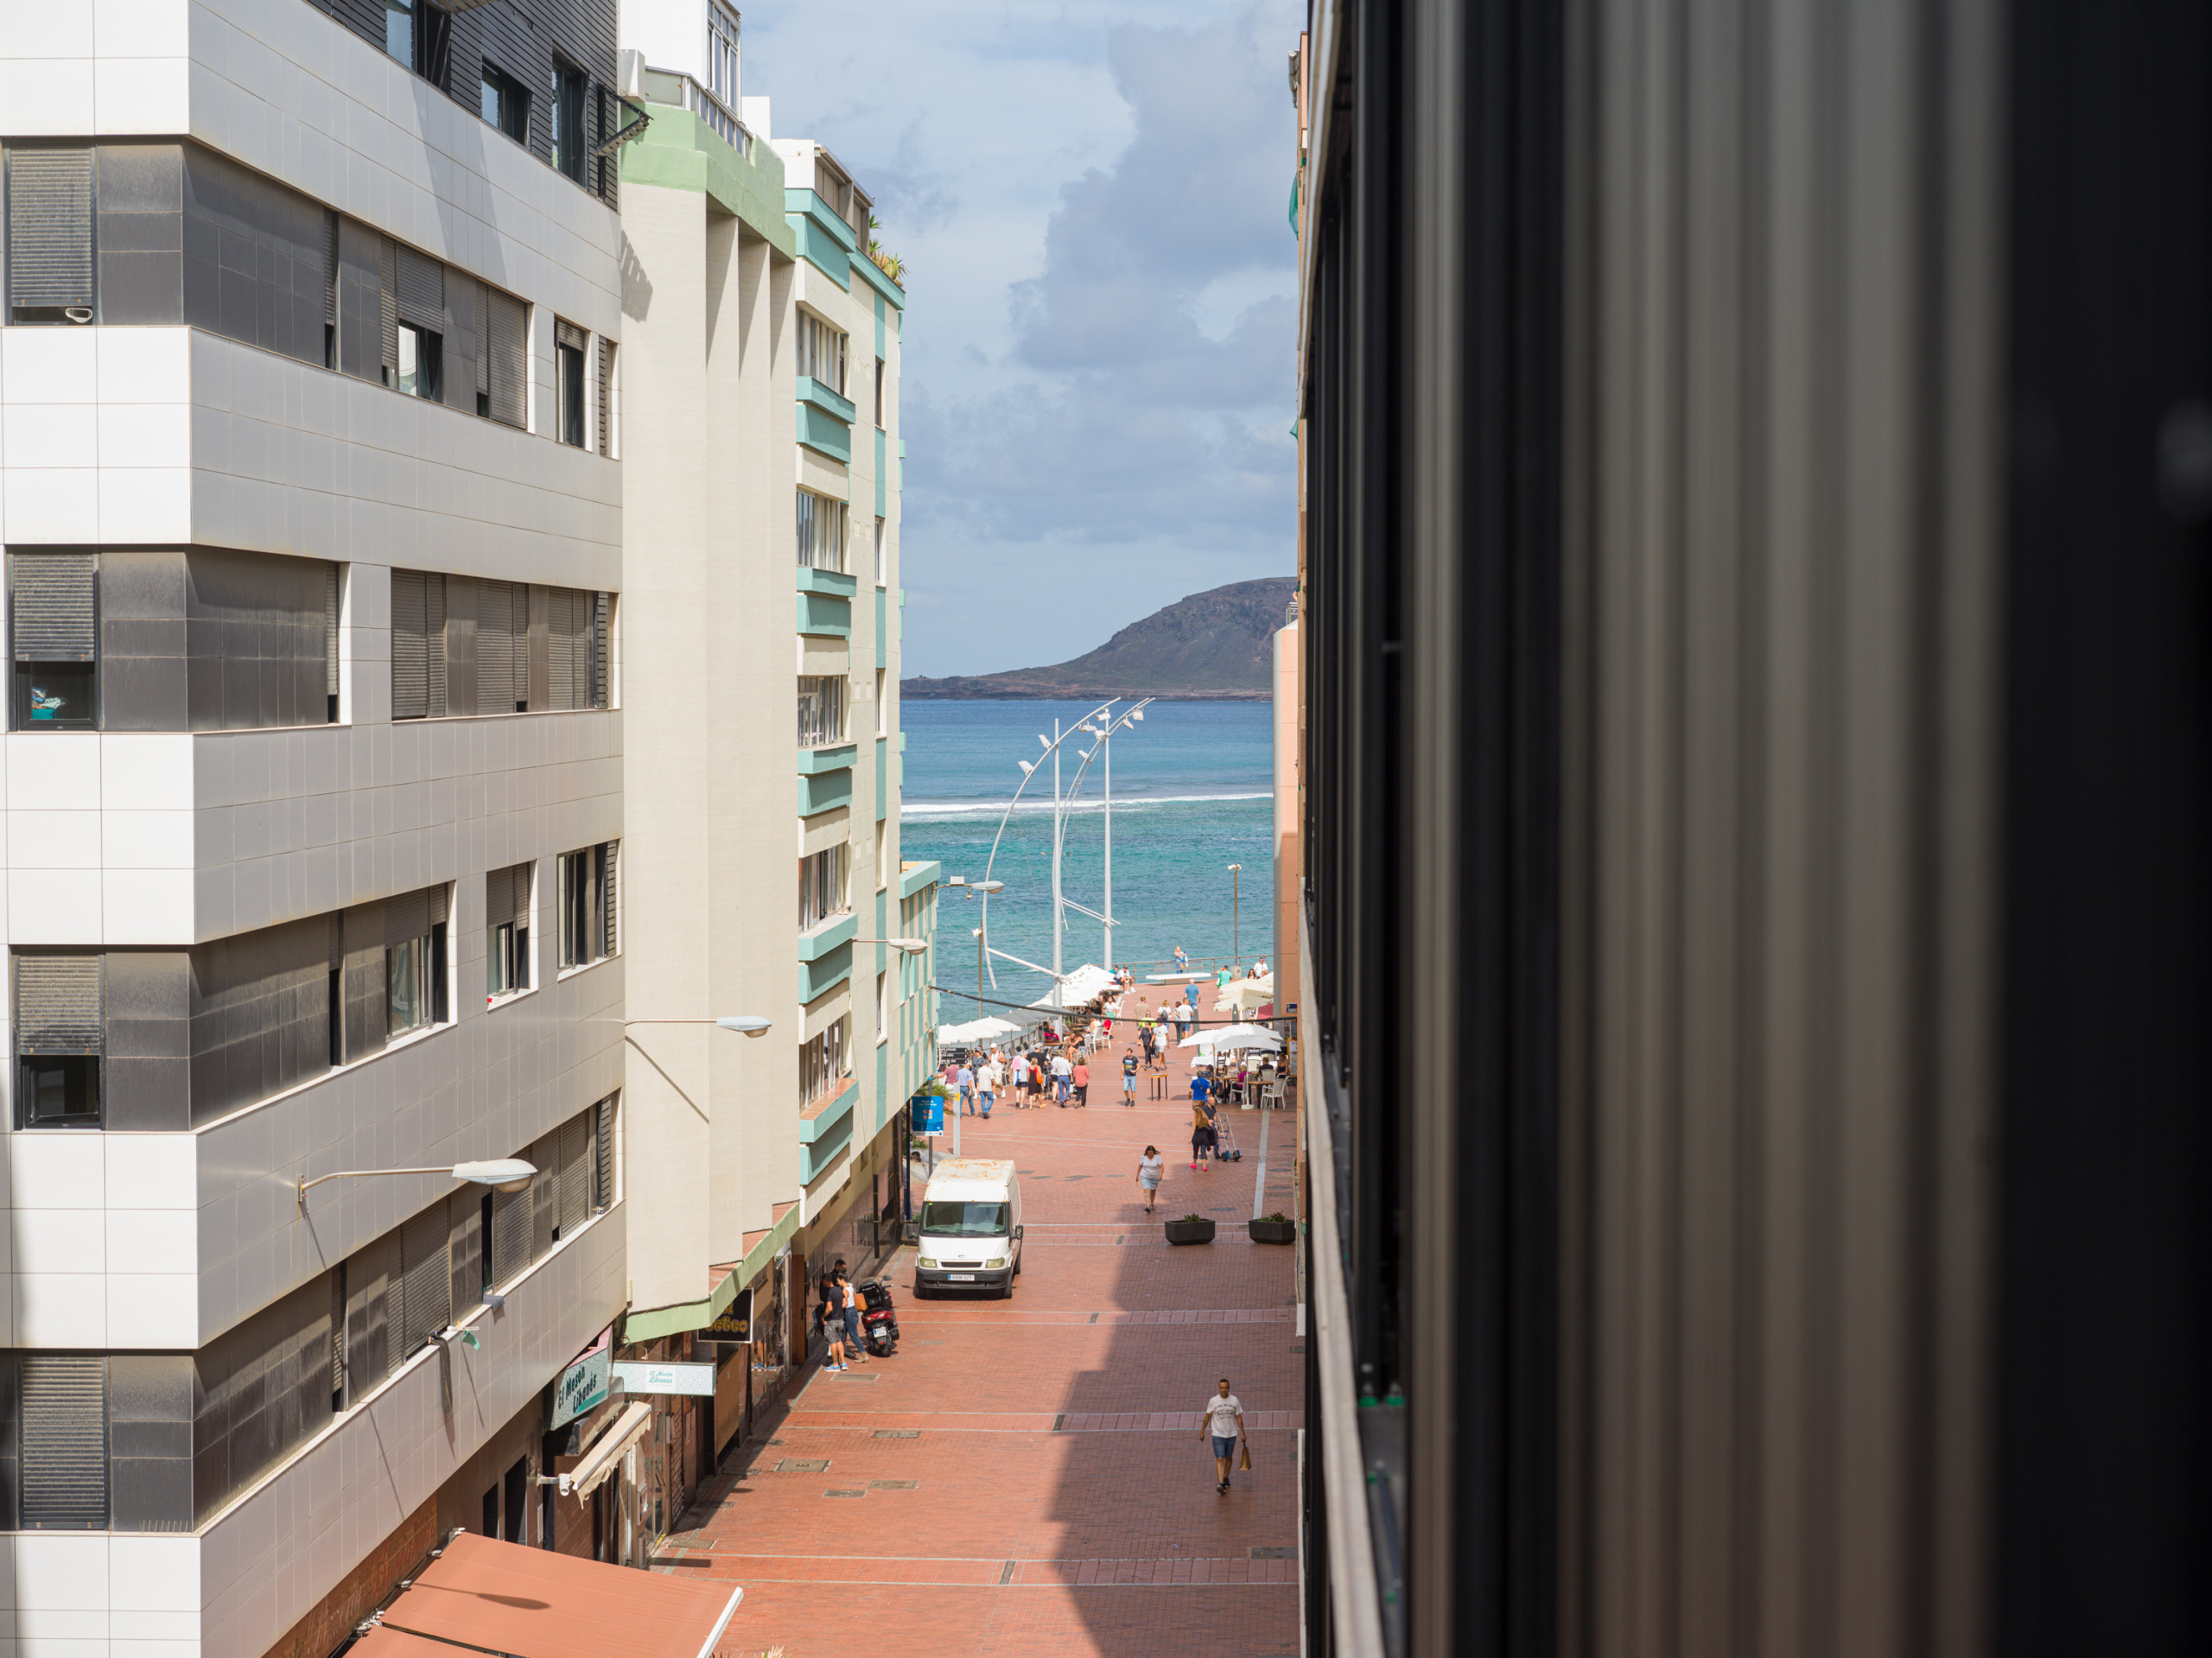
1025, 1477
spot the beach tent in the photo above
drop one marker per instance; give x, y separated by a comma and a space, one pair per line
975, 1030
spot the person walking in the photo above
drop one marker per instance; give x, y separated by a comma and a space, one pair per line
1223, 1419
964, 1080
1203, 1137
987, 1084
1150, 1167
829, 1316
1182, 961
1081, 1078
1063, 1074
1130, 1078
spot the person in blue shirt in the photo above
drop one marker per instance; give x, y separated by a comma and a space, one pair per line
1204, 1139
964, 1080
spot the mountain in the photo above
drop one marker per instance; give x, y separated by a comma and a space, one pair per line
1210, 646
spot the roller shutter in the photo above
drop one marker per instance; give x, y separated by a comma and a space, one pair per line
568, 334
483, 340
601, 646
560, 643
507, 345
511, 1233
409, 647
54, 607
499, 898
49, 226
406, 918
545, 1155
495, 647
330, 270
426, 1279
606, 396
434, 644
58, 1005
603, 1155
576, 1173
438, 898
422, 291
63, 1448
330, 630
610, 854
389, 300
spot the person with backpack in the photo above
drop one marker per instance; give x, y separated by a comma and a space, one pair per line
1204, 1138
829, 1313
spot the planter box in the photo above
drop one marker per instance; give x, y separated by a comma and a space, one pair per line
1190, 1231
1274, 1231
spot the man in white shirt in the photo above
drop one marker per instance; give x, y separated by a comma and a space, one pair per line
1223, 1419
987, 1084
1061, 1072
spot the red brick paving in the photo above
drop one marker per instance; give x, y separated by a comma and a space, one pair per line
1051, 1439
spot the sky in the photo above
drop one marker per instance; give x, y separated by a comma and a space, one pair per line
1098, 360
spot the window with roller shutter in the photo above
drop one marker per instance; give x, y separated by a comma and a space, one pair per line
426, 1280
50, 215
62, 1444
602, 1191
506, 347
54, 621
575, 1138
608, 434
61, 1039
511, 1235
506, 931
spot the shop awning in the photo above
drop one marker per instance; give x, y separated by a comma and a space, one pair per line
532, 1603
601, 1455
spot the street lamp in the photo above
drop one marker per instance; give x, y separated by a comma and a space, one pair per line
744, 1024
501, 1173
1235, 937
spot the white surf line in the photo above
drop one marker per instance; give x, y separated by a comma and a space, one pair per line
1260, 1174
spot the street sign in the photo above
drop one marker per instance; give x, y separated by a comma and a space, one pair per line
665, 1378
582, 1387
929, 1115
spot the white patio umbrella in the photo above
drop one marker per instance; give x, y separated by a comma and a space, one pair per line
1234, 1037
975, 1030
1246, 995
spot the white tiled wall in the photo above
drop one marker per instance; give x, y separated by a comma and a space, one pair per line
91, 1595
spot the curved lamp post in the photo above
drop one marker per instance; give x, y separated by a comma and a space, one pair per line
501, 1173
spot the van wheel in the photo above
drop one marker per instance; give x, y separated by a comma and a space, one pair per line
924, 1293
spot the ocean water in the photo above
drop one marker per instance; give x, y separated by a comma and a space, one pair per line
1193, 785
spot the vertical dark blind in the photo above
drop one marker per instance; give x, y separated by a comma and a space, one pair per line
603, 1155
610, 856
55, 610
483, 339
410, 646
330, 268
600, 643
606, 396
63, 1444
49, 226
58, 1004
330, 630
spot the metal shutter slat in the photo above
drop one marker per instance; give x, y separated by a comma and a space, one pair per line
434, 644
330, 630
576, 1165
498, 899
426, 1280
54, 607
405, 918
603, 1152
606, 396
495, 647
439, 898
49, 226
509, 350
599, 651
545, 1155
410, 669
608, 908
330, 268
568, 334
511, 1230
62, 1403
388, 304
422, 291
483, 338
560, 648
58, 1005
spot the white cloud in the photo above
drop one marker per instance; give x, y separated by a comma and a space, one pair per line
1098, 369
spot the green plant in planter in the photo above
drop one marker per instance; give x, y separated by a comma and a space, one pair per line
1194, 1216
1275, 1216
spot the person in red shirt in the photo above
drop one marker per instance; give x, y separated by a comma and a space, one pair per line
1082, 1081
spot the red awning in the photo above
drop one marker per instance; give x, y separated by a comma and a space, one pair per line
534, 1603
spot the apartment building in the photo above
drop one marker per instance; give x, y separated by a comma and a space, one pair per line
313, 800
761, 353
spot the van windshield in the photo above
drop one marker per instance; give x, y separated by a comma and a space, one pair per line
964, 1220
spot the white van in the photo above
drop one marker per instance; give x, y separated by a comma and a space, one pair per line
971, 1227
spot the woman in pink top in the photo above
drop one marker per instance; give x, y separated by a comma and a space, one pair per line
1082, 1081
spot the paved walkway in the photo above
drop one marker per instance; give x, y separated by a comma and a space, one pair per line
1025, 1477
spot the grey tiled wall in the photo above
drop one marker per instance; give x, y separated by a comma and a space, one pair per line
146, 1077
260, 1013
257, 1391
149, 1408
211, 639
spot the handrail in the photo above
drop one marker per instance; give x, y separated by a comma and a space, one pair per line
677, 87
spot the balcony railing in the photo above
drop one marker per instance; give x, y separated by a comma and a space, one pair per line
674, 87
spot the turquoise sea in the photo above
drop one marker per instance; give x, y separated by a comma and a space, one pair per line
1192, 796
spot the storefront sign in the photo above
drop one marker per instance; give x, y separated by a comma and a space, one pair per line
665, 1378
929, 1115
582, 1387
736, 1322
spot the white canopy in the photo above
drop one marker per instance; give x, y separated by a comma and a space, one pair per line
975, 1030
1077, 987
1233, 1036
1246, 995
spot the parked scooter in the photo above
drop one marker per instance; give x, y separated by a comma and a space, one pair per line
879, 1319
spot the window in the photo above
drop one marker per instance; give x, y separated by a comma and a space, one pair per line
568, 382
587, 912
821, 532
824, 885
882, 565
461, 645
420, 36
883, 862
502, 357
821, 710
422, 363
414, 960
608, 434
61, 1423
882, 1008
60, 1038
823, 1062
53, 614
505, 105
49, 189
506, 931
821, 353
879, 392
722, 53
882, 706
569, 154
